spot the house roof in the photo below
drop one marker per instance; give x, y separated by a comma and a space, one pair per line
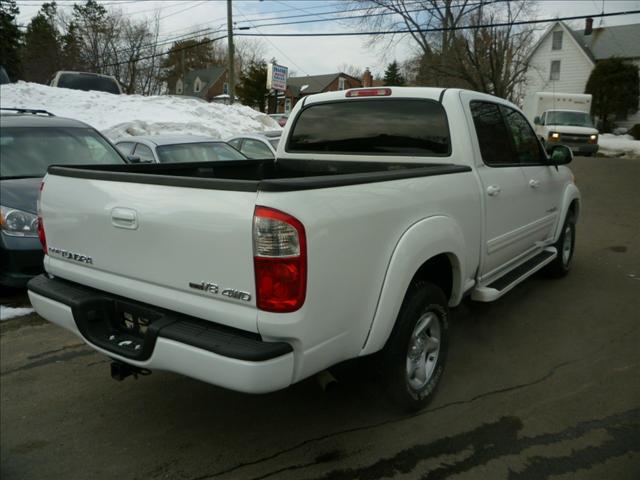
313, 83
621, 41
207, 75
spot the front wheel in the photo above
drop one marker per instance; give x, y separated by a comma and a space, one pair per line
565, 245
415, 354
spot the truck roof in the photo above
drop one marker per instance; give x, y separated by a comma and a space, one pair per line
432, 93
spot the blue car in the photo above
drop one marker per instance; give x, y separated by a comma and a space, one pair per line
31, 141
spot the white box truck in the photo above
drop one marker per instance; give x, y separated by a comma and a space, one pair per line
563, 118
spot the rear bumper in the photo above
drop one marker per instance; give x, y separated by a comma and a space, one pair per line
203, 350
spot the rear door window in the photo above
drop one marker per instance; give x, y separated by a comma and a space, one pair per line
404, 127
125, 147
145, 153
255, 149
235, 143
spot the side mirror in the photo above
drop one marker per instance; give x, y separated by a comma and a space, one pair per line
560, 155
133, 159
536, 120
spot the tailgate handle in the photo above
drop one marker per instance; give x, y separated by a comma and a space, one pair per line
124, 218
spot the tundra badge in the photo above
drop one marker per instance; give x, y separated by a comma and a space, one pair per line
71, 255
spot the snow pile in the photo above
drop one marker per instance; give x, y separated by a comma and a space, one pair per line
618, 145
118, 116
7, 313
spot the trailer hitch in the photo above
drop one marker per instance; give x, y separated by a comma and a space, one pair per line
120, 371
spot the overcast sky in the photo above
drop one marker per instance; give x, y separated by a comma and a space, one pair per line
310, 55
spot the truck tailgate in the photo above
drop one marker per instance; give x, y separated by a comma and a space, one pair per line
175, 247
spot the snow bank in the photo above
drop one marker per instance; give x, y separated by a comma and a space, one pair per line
618, 145
7, 313
119, 116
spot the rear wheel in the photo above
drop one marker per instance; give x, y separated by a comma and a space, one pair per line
415, 354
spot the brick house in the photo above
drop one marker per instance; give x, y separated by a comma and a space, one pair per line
299, 87
206, 83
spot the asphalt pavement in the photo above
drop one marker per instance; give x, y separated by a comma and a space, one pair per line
544, 383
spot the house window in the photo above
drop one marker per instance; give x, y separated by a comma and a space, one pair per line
197, 85
341, 83
556, 44
287, 104
179, 87
554, 74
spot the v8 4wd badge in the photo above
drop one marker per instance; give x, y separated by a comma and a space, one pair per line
214, 289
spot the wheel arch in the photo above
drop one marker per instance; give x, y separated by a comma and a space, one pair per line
571, 204
432, 250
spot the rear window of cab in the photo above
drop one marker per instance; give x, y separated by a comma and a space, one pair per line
402, 127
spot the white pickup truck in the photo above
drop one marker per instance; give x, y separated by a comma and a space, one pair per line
385, 207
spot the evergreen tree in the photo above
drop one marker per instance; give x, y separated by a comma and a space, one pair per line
10, 39
614, 86
252, 90
41, 53
392, 75
71, 46
196, 54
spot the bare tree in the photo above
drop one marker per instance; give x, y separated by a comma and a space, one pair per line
456, 44
248, 51
354, 71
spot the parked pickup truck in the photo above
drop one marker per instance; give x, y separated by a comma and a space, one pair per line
384, 208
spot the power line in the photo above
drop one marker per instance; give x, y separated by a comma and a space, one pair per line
366, 15
206, 31
438, 29
171, 50
261, 18
274, 46
381, 32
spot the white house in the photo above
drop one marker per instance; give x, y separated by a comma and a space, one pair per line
563, 58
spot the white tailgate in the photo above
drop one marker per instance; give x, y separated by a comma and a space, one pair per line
148, 242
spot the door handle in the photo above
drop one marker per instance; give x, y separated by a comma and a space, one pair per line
124, 218
534, 183
493, 190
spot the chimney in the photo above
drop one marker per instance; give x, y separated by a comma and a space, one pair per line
588, 26
367, 79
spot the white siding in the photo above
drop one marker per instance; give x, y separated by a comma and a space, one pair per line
575, 67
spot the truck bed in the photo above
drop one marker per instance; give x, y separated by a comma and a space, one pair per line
259, 175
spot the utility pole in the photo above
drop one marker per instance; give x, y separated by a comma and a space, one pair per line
232, 68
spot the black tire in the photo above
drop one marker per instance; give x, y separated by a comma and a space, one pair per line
424, 302
561, 265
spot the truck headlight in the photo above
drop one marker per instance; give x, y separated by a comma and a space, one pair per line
554, 136
18, 223
593, 138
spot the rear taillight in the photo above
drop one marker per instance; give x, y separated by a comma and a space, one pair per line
280, 260
41, 235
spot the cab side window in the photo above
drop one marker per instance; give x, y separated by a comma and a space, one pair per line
525, 144
145, 153
493, 137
